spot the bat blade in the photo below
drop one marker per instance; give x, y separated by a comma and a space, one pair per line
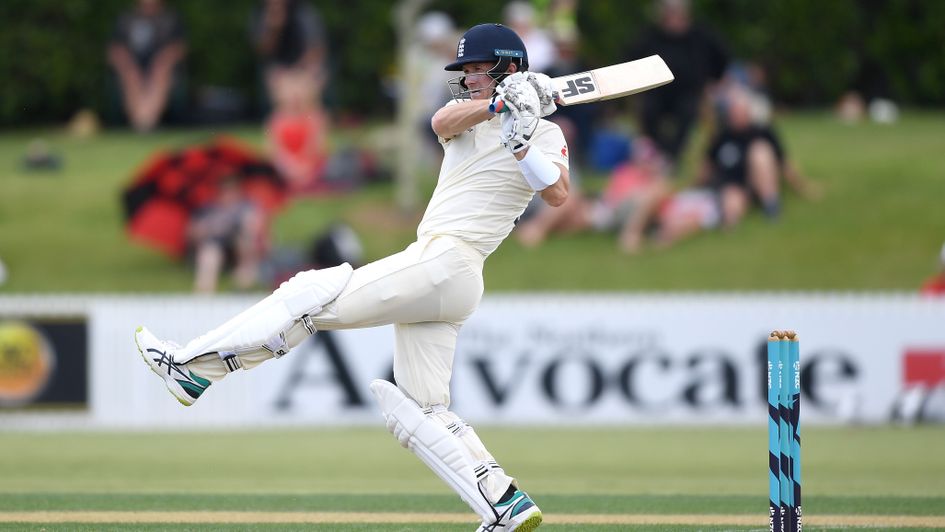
612, 81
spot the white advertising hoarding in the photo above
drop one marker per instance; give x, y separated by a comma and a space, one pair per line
537, 359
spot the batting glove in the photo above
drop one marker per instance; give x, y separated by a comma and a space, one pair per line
520, 119
545, 90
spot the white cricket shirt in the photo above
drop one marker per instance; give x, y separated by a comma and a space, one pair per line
481, 191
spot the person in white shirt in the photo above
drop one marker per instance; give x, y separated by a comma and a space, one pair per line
521, 17
498, 153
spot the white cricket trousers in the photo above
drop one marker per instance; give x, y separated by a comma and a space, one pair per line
426, 291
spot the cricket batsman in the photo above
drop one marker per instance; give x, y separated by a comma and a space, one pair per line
498, 152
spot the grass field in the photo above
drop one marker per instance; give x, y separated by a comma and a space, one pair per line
879, 226
603, 479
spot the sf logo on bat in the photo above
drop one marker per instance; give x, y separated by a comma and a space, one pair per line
582, 85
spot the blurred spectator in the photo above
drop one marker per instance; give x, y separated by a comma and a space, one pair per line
629, 185
696, 57
562, 20
583, 118
746, 161
666, 216
521, 18
290, 40
850, 108
227, 233
935, 285
869, 94
633, 190
337, 244
296, 133
433, 48
146, 52
750, 77
639, 202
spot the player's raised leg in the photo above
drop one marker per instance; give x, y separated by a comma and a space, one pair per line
411, 286
266, 330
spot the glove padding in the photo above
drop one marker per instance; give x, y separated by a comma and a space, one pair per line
545, 90
520, 119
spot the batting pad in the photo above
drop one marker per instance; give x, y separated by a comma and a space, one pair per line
436, 446
277, 323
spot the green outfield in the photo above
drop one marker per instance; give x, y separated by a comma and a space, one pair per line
592, 479
879, 226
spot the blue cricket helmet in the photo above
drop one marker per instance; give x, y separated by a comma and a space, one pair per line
488, 43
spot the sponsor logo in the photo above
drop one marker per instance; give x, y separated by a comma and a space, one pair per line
581, 85
501, 52
598, 368
925, 367
462, 48
564, 150
26, 363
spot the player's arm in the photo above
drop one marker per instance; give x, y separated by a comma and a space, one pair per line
557, 194
554, 194
520, 121
451, 120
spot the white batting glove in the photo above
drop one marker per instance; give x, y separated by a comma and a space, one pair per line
517, 92
545, 90
516, 130
520, 119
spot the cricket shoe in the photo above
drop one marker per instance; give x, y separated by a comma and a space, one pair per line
517, 512
159, 356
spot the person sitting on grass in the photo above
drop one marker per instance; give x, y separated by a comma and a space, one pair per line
228, 232
296, 134
637, 201
746, 161
146, 53
641, 203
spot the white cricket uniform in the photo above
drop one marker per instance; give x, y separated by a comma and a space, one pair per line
428, 290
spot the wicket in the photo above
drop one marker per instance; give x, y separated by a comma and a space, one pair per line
784, 437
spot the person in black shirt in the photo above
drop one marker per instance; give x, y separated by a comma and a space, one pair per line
146, 52
696, 57
289, 39
745, 162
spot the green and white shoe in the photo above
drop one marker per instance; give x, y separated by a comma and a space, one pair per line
183, 384
517, 512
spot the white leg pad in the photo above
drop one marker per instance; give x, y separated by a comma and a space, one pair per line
434, 444
488, 473
274, 325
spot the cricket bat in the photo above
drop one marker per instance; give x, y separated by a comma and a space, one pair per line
606, 83
612, 81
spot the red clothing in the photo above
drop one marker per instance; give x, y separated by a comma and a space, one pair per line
627, 180
299, 145
934, 286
